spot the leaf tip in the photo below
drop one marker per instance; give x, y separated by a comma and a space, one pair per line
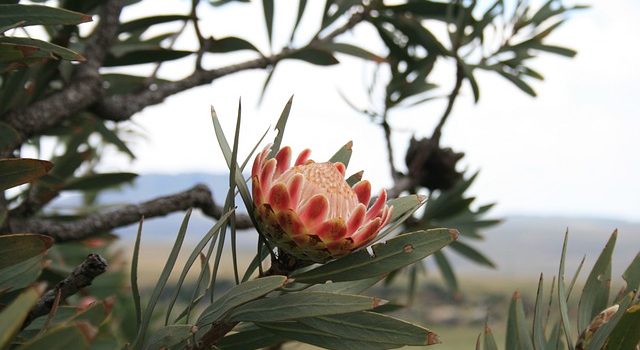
433, 338
454, 234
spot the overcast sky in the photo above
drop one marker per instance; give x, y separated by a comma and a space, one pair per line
573, 150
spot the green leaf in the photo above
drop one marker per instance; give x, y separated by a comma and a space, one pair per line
595, 294
446, 270
318, 57
301, 304
15, 248
389, 256
343, 155
111, 137
280, 125
18, 171
99, 181
489, 341
558, 50
135, 291
21, 274
146, 22
517, 81
8, 136
625, 335
239, 295
63, 338
632, 274
347, 287
121, 84
168, 336
404, 205
162, 281
39, 15
355, 178
145, 56
249, 339
538, 326
302, 333
471, 254
34, 48
602, 334
302, 4
352, 50
230, 44
372, 327
213, 232
562, 295
267, 7
14, 314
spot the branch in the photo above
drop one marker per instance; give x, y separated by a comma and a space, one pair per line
197, 197
437, 132
122, 107
85, 87
406, 183
82, 276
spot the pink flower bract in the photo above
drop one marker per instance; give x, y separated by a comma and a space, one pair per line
309, 210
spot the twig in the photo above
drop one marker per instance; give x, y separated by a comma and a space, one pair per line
437, 132
82, 276
387, 136
197, 197
122, 107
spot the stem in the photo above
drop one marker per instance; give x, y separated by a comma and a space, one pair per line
437, 132
387, 136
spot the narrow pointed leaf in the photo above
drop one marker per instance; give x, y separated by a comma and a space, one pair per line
18, 247
602, 334
632, 274
251, 339
168, 336
302, 4
13, 315
626, 334
192, 258
18, 171
595, 294
34, 48
562, 296
146, 22
99, 181
372, 327
389, 256
267, 7
343, 155
446, 270
319, 57
471, 254
162, 281
280, 125
538, 327
489, 342
302, 333
347, 287
135, 291
239, 295
301, 304
39, 15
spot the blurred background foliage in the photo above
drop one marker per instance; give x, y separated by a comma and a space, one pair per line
54, 87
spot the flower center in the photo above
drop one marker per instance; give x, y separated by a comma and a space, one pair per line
324, 178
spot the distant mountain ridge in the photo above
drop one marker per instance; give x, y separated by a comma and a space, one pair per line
522, 244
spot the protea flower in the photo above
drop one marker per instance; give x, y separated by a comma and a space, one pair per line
309, 210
